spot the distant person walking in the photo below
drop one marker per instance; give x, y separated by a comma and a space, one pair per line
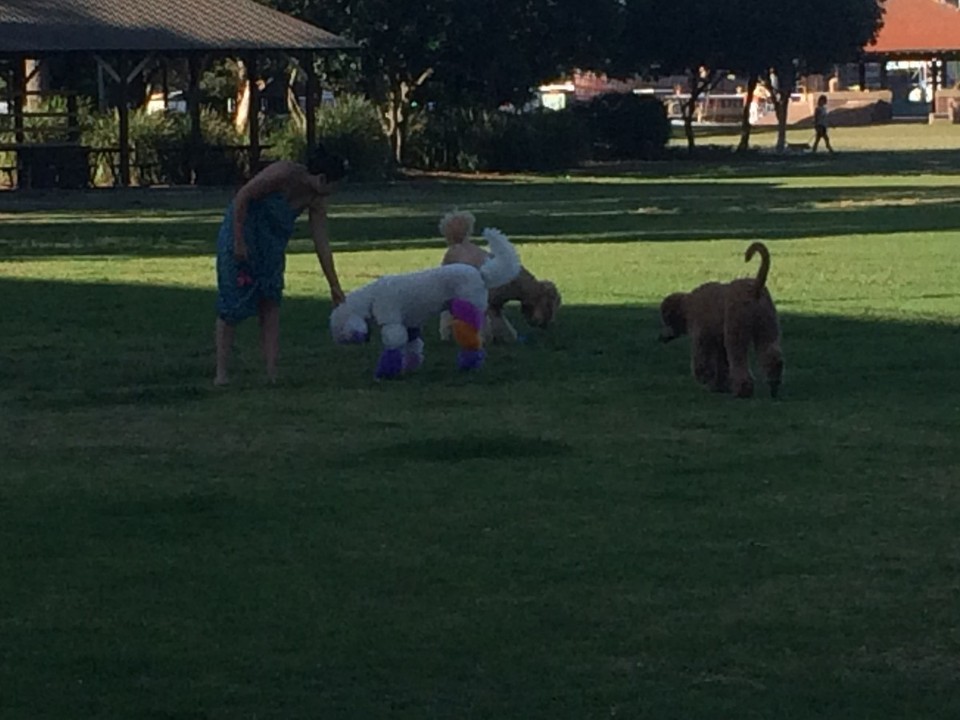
820, 124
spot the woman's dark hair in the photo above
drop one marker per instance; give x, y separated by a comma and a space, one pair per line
328, 164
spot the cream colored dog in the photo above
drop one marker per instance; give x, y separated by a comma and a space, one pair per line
539, 299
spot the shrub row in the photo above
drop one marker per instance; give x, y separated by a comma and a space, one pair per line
611, 127
464, 139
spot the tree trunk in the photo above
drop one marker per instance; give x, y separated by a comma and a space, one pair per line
781, 83
400, 135
782, 111
241, 111
393, 120
702, 81
690, 109
745, 126
297, 115
38, 73
395, 113
688, 129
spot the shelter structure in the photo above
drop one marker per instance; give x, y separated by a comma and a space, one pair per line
122, 40
919, 31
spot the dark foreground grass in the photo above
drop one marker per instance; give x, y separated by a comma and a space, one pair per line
575, 532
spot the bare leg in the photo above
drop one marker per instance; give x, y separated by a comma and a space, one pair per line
224, 334
270, 336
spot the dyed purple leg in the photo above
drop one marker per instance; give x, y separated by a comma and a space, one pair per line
470, 359
390, 365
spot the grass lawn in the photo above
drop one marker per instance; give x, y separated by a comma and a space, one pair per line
578, 531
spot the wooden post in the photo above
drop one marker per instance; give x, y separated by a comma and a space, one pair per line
193, 107
101, 88
254, 116
124, 112
935, 69
165, 82
19, 93
312, 97
73, 111
862, 75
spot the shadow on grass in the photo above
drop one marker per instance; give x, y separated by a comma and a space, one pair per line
605, 525
622, 209
480, 446
99, 345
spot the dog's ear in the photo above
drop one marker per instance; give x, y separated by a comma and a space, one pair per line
551, 292
543, 309
551, 301
673, 316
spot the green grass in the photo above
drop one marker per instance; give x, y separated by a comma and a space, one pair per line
576, 532
898, 137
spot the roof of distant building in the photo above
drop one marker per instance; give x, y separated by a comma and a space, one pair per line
918, 28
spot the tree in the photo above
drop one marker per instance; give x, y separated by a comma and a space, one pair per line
501, 50
757, 39
399, 47
679, 37
471, 52
800, 38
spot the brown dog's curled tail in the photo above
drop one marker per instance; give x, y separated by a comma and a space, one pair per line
761, 281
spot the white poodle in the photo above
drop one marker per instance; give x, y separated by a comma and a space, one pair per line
401, 304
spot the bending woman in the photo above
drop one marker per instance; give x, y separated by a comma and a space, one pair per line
252, 244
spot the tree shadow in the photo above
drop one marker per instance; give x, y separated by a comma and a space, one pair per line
580, 493
555, 210
102, 345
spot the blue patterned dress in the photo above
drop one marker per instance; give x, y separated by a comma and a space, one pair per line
267, 230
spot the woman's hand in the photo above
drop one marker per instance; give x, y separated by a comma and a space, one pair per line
337, 295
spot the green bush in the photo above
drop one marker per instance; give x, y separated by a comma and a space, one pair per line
152, 137
51, 126
350, 127
220, 162
539, 140
625, 126
447, 139
160, 148
475, 140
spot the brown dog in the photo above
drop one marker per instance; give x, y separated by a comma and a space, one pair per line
539, 299
723, 320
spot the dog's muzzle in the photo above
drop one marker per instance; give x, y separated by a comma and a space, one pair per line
356, 338
350, 329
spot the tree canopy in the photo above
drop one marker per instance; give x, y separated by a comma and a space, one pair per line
498, 51
473, 53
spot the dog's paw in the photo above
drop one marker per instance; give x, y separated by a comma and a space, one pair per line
390, 365
470, 359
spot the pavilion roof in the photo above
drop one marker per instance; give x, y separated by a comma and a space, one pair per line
917, 28
53, 26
